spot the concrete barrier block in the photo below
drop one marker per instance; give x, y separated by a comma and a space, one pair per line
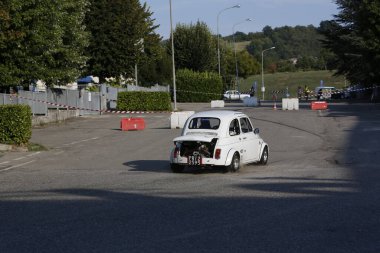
250, 101
217, 104
296, 104
178, 119
284, 103
290, 104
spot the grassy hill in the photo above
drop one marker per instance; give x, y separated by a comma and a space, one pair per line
279, 81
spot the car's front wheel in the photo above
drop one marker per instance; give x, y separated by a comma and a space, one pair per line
235, 163
176, 168
264, 156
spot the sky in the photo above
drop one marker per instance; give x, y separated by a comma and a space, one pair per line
275, 13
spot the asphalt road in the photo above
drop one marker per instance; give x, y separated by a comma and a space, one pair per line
98, 189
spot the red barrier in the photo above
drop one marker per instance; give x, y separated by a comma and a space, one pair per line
128, 124
318, 105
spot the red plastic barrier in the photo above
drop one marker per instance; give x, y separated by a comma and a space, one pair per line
128, 124
318, 105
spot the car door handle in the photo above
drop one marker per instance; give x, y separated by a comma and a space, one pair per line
244, 138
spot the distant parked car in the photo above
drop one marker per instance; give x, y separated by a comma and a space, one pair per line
325, 93
234, 95
218, 138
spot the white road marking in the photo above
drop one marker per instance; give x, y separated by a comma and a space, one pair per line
76, 142
20, 158
16, 166
33, 154
5, 162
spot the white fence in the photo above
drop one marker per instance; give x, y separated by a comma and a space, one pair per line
84, 101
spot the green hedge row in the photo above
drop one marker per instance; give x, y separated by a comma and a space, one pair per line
15, 124
198, 87
143, 101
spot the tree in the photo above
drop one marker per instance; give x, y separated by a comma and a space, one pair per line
122, 35
157, 70
194, 47
354, 37
41, 40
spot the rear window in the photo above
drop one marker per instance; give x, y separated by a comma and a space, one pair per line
204, 123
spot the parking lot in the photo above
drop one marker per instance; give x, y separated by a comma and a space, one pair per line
99, 189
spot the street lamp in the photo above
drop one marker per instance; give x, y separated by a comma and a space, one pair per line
236, 63
217, 30
262, 70
173, 66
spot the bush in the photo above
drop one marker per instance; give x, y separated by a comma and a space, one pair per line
198, 87
15, 124
143, 101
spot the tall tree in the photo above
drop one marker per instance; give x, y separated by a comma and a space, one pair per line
122, 35
354, 36
41, 39
194, 47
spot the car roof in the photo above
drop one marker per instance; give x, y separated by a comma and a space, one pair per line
218, 114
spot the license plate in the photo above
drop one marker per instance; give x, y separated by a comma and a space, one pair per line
195, 160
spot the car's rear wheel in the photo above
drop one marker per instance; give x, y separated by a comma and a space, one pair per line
264, 156
176, 168
235, 163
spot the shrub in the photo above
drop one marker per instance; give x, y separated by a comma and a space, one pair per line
15, 124
143, 101
198, 87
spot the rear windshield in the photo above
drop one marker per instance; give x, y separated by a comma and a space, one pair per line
204, 123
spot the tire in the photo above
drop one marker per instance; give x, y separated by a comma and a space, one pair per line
235, 163
176, 168
264, 156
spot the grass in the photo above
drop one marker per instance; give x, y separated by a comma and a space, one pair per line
35, 147
280, 81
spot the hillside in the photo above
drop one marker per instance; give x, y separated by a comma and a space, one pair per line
279, 81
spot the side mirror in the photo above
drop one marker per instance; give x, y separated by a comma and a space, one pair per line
256, 131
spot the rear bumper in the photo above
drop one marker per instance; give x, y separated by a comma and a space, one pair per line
205, 161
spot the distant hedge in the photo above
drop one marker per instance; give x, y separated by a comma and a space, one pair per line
143, 101
198, 87
15, 124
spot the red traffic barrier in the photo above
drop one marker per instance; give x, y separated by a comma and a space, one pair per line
128, 124
318, 105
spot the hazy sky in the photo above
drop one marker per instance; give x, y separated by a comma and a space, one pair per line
275, 13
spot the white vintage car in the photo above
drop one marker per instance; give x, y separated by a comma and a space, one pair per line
234, 95
218, 138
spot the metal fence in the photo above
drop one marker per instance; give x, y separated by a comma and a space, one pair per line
84, 101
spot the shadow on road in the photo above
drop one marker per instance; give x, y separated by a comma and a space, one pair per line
296, 215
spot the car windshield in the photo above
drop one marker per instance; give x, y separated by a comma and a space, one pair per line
204, 123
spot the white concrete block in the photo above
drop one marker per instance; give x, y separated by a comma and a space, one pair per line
290, 104
178, 119
217, 103
285, 102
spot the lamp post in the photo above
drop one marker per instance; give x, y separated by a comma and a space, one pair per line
262, 70
173, 66
217, 30
236, 63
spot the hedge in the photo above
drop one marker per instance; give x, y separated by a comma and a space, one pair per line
198, 87
15, 124
143, 101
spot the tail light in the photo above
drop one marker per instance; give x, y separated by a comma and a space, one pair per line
218, 151
176, 152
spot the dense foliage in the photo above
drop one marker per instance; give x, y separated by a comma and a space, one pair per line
194, 47
143, 101
41, 40
198, 86
122, 35
354, 36
15, 124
